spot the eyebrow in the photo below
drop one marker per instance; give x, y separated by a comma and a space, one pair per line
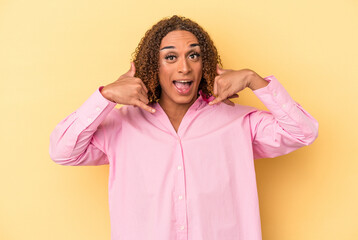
172, 47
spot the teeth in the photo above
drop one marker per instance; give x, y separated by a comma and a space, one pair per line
183, 81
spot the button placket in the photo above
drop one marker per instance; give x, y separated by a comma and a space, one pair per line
180, 190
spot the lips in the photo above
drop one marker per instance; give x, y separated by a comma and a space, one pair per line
183, 86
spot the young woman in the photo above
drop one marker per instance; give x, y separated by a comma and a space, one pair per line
180, 153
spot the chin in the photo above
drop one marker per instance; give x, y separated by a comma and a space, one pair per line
180, 99
185, 100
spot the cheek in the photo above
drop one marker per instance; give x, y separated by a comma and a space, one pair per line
199, 70
163, 76
165, 72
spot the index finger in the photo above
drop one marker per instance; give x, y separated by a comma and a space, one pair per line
144, 106
216, 100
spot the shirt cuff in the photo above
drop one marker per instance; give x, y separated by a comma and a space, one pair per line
94, 110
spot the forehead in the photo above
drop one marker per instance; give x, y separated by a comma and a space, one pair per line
178, 37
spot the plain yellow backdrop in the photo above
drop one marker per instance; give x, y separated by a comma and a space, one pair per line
55, 54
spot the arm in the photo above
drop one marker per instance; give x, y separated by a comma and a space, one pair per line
76, 139
285, 128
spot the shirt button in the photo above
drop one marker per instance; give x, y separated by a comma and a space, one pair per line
179, 167
284, 105
275, 93
89, 120
182, 227
180, 197
98, 109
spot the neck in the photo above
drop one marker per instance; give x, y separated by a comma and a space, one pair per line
175, 111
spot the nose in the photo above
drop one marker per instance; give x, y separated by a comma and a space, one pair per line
184, 66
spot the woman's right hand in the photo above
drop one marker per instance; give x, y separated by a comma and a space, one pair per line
128, 90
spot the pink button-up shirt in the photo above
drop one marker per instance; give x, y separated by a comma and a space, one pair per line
195, 184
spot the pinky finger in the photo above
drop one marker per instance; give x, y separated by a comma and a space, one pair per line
233, 96
228, 102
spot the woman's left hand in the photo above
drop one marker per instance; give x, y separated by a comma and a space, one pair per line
229, 82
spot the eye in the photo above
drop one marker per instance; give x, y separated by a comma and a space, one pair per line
170, 57
194, 55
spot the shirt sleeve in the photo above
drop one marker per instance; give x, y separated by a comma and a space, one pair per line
73, 141
285, 128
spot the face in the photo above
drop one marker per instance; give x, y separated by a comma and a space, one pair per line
180, 68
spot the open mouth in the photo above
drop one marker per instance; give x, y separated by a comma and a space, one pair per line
183, 86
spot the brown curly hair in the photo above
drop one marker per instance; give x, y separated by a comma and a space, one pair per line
146, 55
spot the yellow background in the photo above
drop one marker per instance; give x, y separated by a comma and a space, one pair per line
55, 54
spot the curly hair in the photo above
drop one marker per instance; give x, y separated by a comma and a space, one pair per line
146, 55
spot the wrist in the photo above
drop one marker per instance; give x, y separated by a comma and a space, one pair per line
255, 81
105, 93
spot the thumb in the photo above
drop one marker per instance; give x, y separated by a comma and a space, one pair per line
131, 71
219, 70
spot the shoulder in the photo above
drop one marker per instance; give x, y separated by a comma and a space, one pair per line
222, 115
119, 115
235, 111
124, 113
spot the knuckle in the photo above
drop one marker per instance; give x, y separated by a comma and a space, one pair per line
136, 91
138, 87
147, 108
249, 71
134, 101
141, 104
221, 82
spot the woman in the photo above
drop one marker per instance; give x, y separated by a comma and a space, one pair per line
181, 162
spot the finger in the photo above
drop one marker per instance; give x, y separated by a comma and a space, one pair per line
228, 102
131, 71
143, 98
219, 70
144, 93
144, 87
233, 96
216, 100
215, 89
143, 90
144, 106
